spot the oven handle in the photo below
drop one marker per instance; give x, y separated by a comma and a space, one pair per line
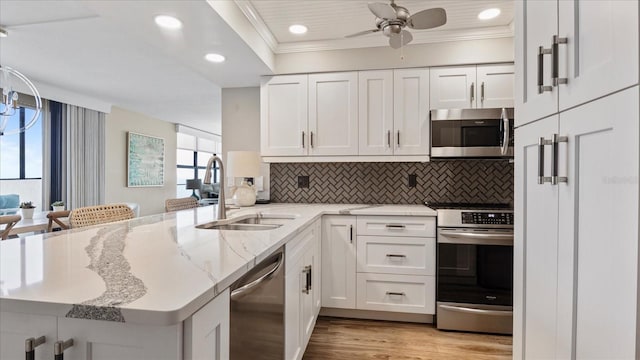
476, 311
492, 238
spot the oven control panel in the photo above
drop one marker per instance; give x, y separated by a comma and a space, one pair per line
487, 218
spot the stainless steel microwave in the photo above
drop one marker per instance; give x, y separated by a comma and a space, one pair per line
474, 133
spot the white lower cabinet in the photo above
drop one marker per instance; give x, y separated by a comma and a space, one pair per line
339, 261
205, 335
392, 292
302, 259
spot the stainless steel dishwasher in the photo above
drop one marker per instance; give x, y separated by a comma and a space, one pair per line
257, 311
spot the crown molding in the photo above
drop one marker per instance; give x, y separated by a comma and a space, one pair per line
254, 18
378, 40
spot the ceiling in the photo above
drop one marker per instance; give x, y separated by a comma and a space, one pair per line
113, 51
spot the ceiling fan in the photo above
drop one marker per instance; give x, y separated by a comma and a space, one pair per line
391, 19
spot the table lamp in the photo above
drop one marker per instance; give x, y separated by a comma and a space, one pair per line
243, 164
193, 184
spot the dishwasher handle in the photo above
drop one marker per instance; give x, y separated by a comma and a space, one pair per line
240, 291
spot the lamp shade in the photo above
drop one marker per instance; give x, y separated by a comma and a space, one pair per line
243, 164
194, 184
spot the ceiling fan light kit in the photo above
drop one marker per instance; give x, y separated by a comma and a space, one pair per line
391, 19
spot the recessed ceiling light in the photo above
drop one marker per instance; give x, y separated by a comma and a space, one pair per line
297, 29
168, 22
3, 33
489, 14
216, 58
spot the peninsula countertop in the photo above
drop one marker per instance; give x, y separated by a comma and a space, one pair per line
154, 270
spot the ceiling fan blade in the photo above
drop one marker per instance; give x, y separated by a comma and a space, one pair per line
428, 19
399, 40
383, 11
363, 33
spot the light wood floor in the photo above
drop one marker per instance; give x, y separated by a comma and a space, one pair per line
350, 339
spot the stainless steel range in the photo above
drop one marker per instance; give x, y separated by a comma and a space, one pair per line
475, 268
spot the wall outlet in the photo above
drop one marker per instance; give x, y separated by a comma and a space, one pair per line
303, 181
413, 180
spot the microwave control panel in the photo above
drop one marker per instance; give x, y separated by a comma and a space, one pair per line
487, 218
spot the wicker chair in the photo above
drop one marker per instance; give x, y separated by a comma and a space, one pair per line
55, 216
100, 214
180, 204
9, 221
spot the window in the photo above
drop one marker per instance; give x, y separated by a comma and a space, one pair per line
21, 158
192, 156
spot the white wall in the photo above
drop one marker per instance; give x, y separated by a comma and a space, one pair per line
418, 55
241, 125
150, 199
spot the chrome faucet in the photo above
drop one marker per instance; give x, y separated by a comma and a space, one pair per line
222, 210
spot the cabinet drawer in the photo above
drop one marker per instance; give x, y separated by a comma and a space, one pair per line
396, 255
397, 225
400, 293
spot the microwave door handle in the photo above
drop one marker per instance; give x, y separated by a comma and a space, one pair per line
505, 132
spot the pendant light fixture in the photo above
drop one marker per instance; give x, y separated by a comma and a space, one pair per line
10, 97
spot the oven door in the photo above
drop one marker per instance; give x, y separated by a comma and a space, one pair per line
475, 266
472, 133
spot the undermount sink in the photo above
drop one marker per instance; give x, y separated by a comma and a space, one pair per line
251, 222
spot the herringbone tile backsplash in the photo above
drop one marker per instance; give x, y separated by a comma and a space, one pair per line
477, 181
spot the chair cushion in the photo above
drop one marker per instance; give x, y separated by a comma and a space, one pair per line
10, 201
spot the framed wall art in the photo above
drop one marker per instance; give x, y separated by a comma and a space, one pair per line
145, 160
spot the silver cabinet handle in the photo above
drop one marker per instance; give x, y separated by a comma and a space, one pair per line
396, 256
351, 234
542, 142
398, 138
30, 346
555, 79
473, 93
395, 226
311, 139
555, 179
307, 286
388, 138
248, 287
393, 293
541, 53
59, 347
476, 311
505, 133
303, 139
482, 92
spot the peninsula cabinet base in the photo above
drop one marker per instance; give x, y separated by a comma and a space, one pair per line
377, 315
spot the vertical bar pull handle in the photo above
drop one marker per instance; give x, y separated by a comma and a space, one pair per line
388, 138
505, 132
541, 53
482, 92
303, 139
351, 233
307, 286
542, 142
59, 347
311, 139
398, 138
30, 346
555, 179
473, 93
555, 79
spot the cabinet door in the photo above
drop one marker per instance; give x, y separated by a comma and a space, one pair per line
308, 304
107, 340
535, 24
535, 247
293, 309
317, 268
375, 112
333, 114
453, 87
598, 252
496, 84
601, 54
16, 328
207, 331
283, 116
411, 112
339, 262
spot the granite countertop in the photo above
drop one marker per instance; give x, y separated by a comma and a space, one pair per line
154, 270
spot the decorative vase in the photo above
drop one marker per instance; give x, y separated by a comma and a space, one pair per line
244, 195
27, 213
57, 208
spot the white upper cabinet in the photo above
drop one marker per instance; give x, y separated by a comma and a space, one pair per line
571, 52
333, 114
496, 84
453, 87
411, 112
375, 112
601, 53
283, 112
465, 87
